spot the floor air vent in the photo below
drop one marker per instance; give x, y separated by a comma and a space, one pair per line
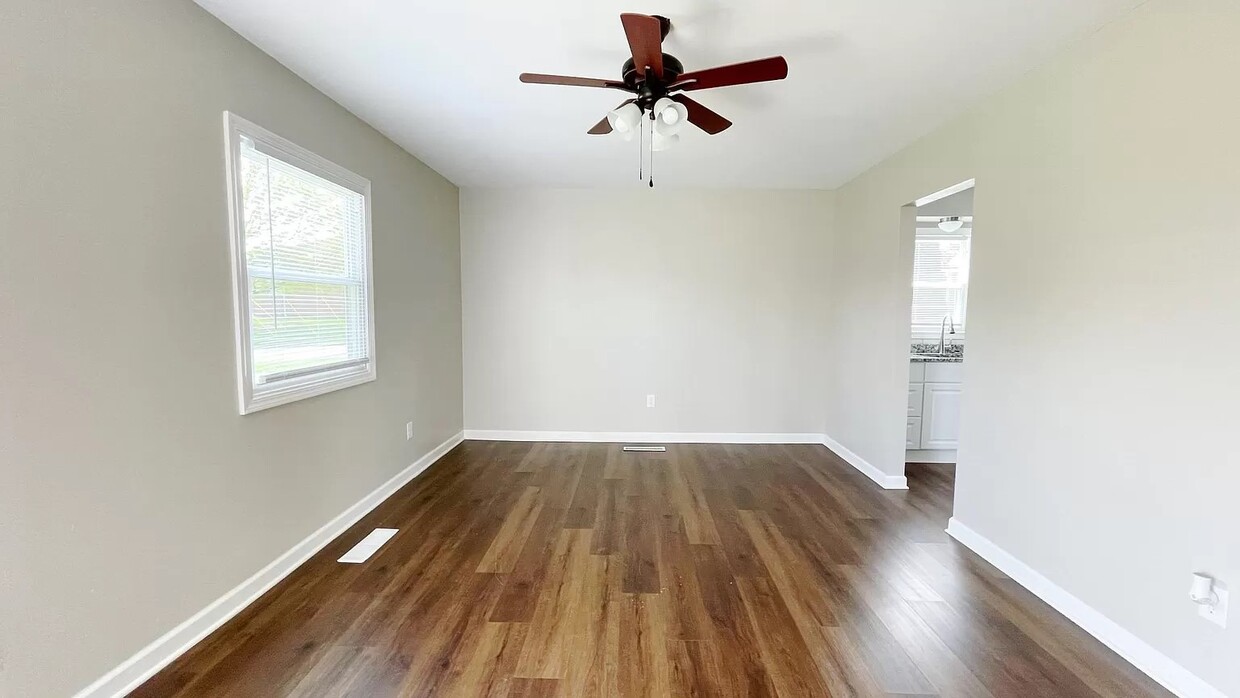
368, 546
645, 448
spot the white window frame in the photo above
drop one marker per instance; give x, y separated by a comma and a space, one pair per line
318, 382
921, 332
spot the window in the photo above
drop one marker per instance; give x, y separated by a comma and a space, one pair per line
940, 280
301, 270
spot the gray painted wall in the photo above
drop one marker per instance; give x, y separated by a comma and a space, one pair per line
131, 493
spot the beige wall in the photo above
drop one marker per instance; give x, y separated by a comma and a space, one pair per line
1098, 433
131, 492
579, 303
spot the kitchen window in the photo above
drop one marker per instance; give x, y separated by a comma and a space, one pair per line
303, 296
940, 280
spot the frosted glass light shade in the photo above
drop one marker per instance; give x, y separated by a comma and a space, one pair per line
625, 120
670, 116
661, 142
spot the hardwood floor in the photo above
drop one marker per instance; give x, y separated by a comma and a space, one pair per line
579, 570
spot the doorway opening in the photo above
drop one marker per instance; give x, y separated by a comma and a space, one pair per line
938, 230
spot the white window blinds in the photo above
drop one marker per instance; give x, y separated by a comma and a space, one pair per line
304, 263
940, 280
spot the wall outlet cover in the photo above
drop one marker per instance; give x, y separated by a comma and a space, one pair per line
408, 430
1217, 613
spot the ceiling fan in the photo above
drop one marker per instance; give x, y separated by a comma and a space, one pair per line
657, 82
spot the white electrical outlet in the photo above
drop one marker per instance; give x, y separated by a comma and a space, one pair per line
408, 431
1216, 613
649, 401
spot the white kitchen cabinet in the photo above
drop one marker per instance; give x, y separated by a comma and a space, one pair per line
940, 416
916, 372
933, 426
943, 372
914, 399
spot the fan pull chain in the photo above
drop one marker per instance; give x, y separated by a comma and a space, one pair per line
652, 149
641, 148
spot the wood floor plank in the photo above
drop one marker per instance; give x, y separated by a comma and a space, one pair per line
932, 656
739, 665
332, 674
689, 673
840, 664
534, 459
570, 622
686, 611
802, 592
505, 548
787, 657
688, 497
485, 667
457, 629
733, 539
888, 662
580, 570
534, 688
1105, 675
640, 547
637, 653
523, 585
607, 519
584, 506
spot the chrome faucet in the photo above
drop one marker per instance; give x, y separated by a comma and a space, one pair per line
943, 325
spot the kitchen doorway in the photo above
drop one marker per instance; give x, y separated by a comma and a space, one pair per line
940, 239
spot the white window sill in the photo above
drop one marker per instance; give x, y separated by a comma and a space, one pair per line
292, 393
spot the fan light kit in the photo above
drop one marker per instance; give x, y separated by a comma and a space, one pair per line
657, 80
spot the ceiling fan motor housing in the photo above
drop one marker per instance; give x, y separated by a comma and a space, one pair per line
649, 88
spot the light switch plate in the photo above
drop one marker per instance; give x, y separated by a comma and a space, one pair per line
1217, 613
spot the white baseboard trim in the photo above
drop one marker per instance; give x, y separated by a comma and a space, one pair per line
146, 662
887, 482
890, 482
642, 437
1133, 649
929, 456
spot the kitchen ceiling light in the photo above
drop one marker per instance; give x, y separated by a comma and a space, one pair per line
950, 224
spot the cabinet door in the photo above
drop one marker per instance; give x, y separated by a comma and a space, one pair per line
912, 433
914, 399
917, 371
940, 416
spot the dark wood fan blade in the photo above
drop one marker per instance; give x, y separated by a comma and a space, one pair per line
604, 127
540, 79
702, 117
645, 35
761, 70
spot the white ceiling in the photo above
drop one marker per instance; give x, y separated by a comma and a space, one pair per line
866, 77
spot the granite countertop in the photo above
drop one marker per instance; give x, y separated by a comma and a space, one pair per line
953, 353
